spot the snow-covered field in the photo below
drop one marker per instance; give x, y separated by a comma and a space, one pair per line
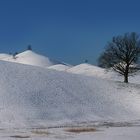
89, 133
38, 93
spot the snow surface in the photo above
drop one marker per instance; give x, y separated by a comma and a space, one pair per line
91, 70
4, 56
47, 97
60, 67
95, 71
115, 133
86, 68
30, 58
33, 96
102, 133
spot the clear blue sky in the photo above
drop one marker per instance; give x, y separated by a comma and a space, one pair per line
67, 30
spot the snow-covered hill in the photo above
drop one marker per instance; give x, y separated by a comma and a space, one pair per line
91, 70
87, 69
31, 58
95, 71
4, 56
31, 95
60, 67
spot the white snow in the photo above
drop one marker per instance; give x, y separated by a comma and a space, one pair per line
115, 133
60, 67
47, 93
30, 58
4, 56
95, 71
31, 95
91, 70
102, 133
86, 69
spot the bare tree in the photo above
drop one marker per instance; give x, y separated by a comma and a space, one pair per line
121, 54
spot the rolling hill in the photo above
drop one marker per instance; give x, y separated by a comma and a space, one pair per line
30, 58
34, 96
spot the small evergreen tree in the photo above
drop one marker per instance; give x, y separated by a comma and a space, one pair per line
86, 61
29, 47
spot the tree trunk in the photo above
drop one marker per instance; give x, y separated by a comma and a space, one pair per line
126, 78
126, 74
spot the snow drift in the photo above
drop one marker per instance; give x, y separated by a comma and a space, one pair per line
31, 95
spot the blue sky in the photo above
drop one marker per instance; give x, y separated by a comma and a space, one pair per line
67, 30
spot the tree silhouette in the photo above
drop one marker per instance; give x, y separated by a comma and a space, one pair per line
29, 47
121, 54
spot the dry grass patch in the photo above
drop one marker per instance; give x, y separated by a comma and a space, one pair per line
81, 130
19, 136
